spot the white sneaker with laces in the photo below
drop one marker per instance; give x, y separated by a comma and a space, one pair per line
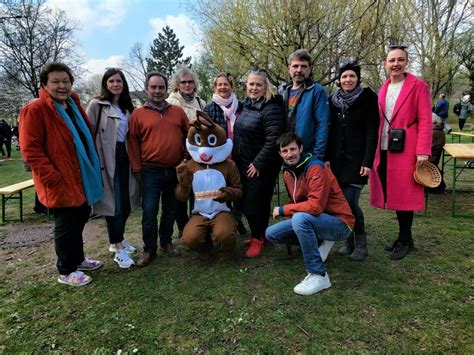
129, 249
325, 248
312, 283
123, 259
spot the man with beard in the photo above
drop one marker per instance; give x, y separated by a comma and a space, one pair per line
157, 133
306, 105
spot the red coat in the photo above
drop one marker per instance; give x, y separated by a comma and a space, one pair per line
315, 190
413, 103
47, 147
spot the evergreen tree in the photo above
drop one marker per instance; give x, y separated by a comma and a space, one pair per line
166, 53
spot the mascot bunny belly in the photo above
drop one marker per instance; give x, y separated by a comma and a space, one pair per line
215, 181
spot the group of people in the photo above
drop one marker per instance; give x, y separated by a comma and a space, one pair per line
111, 155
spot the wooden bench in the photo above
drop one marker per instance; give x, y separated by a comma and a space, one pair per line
10, 193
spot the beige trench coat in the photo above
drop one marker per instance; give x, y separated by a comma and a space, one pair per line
105, 142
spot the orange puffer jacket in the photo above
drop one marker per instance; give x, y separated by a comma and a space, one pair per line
47, 147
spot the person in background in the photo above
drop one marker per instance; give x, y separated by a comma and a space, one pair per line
57, 144
354, 123
224, 110
442, 110
316, 215
465, 112
256, 130
306, 105
156, 145
404, 103
184, 87
109, 114
439, 140
6, 133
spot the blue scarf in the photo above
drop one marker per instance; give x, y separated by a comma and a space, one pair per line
89, 165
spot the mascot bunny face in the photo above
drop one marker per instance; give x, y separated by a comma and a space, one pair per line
206, 142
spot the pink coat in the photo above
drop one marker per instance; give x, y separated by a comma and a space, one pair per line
413, 103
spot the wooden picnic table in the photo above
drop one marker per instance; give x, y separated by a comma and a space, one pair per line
10, 192
461, 151
461, 134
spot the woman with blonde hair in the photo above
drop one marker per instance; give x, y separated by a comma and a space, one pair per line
256, 131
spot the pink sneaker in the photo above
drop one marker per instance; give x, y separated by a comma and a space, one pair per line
76, 278
89, 265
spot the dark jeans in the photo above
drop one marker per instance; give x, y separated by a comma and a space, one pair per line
69, 224
158, 182
116, 224
352, 195
461, 123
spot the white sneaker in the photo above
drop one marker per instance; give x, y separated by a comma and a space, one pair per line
123, 259
312, 283
129, 249
325, 248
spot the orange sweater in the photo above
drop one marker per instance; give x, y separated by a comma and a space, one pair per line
155, 138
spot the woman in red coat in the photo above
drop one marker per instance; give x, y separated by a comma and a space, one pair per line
56, 142
404, 102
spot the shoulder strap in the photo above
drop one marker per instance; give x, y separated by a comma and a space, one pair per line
101, 106
392, 127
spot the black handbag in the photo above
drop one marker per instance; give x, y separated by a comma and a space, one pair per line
396, 137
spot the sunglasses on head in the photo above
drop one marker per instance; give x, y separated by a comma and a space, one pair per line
396, 46
258, 70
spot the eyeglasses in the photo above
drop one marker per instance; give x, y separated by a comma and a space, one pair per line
184, 82
397, 46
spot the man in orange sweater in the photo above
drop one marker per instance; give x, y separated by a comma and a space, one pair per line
317, 212
157, 132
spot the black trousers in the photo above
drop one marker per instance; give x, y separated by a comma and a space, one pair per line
69, 224
405, 218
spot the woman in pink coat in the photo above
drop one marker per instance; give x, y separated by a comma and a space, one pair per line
404, 102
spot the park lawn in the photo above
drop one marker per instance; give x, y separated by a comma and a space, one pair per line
423, 303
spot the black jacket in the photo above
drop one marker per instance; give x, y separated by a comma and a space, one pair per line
215, 112
353, 138
255, 133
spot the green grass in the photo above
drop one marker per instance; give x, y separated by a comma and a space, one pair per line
423, 303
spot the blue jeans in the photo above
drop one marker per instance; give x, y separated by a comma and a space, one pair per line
158, 182
306, 229
116, 224
352, 195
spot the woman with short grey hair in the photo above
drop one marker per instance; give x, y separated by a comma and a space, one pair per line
184, 87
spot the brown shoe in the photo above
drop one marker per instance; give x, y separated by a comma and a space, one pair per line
145, 259
170, 250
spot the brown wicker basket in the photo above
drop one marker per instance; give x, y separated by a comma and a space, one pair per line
427, 174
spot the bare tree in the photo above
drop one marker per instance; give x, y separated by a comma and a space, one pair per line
434, 26
134, 66
33, 36
89, 88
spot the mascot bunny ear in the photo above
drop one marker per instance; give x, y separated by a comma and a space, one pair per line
202, 119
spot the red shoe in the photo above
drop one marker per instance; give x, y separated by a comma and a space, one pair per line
255, 248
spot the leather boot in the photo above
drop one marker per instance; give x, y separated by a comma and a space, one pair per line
348, 246
360, 251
